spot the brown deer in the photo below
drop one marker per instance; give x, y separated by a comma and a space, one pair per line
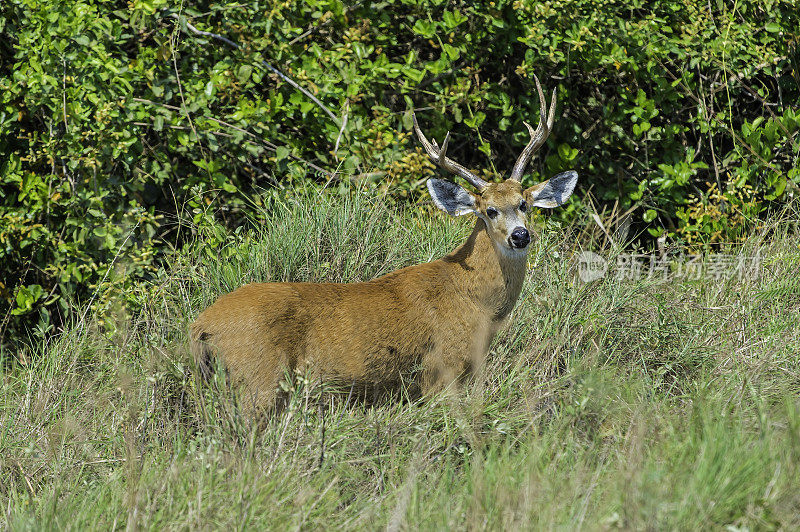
437, 317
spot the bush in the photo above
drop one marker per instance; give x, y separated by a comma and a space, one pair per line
119, 122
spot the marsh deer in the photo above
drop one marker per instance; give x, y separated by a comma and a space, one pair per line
438, 317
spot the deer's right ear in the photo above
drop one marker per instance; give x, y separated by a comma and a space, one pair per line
451, 198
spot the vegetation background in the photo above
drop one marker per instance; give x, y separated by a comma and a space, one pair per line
154, 155
125, 131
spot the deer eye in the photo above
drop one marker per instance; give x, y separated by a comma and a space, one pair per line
523, 206
491, 212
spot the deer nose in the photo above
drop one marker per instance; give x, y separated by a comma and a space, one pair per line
520, 237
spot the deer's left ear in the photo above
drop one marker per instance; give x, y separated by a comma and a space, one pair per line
553, 192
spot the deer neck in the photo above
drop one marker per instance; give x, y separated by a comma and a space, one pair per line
490, 274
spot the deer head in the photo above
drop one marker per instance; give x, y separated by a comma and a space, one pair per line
502, 206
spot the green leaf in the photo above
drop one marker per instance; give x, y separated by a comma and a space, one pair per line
408, 121
413, 74
424, 28
452, 52
26, 297
649, 215
450, 21
566, 152
281, 153
243, 74
780, 186
476, 120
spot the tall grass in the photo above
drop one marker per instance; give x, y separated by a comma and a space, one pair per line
612, 404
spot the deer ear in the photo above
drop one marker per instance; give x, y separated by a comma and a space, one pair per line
553, 192
451, 198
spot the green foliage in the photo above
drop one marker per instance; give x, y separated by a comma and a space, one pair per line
118, 123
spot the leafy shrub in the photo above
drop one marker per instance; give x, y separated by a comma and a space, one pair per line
120, 123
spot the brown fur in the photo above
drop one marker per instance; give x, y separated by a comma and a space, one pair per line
440, 315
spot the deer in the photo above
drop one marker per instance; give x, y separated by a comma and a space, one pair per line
433, 321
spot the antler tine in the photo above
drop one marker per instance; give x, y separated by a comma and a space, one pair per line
539, 135
438, 156
552, 116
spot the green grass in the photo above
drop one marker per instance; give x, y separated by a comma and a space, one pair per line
636, 405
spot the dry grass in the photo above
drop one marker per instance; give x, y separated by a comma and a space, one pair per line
603, 405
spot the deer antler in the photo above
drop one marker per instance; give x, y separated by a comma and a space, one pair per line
539, 135
437, 155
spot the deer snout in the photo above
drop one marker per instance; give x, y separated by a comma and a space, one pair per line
520, 238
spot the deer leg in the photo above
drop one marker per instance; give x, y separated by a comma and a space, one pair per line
449, 369
453, 365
